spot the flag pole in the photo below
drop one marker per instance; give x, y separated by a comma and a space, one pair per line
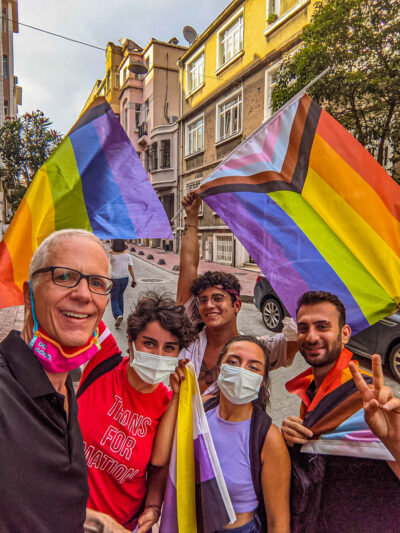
282, 108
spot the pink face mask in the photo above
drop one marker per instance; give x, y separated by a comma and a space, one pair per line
52, 356
54, 359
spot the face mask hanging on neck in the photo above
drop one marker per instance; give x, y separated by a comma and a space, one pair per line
239, 385
53, 357
152, 368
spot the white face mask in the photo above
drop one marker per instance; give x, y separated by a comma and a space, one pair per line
153, 368
239, 385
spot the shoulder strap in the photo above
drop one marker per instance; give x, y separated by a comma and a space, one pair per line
105, 366
259, 427
211, 403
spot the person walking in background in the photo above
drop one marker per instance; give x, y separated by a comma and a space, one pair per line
121, 264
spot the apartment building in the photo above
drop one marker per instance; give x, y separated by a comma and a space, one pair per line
10, 92
142, 87
227, 77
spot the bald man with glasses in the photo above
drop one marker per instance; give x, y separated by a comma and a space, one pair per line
43, 484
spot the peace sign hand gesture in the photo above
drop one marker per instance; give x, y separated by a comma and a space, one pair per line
381, 407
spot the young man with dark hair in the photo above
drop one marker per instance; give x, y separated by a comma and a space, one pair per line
215, 296
353, 480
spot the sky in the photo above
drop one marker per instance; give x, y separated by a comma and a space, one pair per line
57, 76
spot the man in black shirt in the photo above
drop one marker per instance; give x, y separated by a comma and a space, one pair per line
340, 484
43, 481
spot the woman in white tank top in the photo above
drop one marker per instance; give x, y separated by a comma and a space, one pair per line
121, 265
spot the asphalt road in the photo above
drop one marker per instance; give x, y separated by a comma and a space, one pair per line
150, 277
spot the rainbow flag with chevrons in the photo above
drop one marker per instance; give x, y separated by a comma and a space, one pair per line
94, 180
315, 210
196, 499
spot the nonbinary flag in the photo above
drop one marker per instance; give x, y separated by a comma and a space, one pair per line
315, 210
196, 498
94, 180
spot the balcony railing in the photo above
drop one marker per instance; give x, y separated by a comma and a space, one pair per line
142, 129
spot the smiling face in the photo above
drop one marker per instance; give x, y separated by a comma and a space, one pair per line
247, 355
319, 336
216, 308
156, 340
70, 316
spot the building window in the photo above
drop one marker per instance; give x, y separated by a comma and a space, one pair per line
273, 7
168, 203
270, 82
126, 118
195, 136
165, 154
154, 156
195, 73
229, 116
230, 40
147, 161
146, 110
4, 20
5, 67
192, 186
6, 111
137, 116
223, 248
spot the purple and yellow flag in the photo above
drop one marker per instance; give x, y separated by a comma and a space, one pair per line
315, 210
94, 180
196, 498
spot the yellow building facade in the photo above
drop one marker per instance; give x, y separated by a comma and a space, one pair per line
227, 78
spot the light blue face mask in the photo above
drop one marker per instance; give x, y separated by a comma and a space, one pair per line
153, 368
239, 385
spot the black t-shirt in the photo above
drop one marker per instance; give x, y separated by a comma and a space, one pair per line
358, 495
43, 479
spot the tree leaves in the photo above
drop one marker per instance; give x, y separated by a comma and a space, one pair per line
359, 40
25, 144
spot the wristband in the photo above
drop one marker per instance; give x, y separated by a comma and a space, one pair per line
155, 506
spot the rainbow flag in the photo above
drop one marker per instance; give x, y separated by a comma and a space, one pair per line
315, 210
94, 180
196, 498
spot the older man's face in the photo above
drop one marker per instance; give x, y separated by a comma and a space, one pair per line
69, 316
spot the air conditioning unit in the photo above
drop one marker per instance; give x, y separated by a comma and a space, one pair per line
172, 119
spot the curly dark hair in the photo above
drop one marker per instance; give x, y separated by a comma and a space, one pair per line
263, 397
162, 308
210, 279
118, 245
316, 297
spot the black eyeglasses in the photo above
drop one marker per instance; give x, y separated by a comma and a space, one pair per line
70, 278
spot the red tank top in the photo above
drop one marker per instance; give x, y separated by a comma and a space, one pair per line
118, 427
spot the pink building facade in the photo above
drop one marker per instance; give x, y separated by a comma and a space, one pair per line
149, 109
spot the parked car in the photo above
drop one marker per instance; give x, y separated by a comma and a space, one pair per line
268, 302
382, 338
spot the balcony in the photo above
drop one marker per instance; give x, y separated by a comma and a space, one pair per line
142, 130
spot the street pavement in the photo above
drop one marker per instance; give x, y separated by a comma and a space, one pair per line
163, 279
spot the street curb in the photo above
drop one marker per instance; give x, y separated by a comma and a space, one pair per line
154, 264
247, 298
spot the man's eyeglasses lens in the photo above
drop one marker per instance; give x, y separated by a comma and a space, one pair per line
69, 278
216, 298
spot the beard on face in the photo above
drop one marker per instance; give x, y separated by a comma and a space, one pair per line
330, 356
